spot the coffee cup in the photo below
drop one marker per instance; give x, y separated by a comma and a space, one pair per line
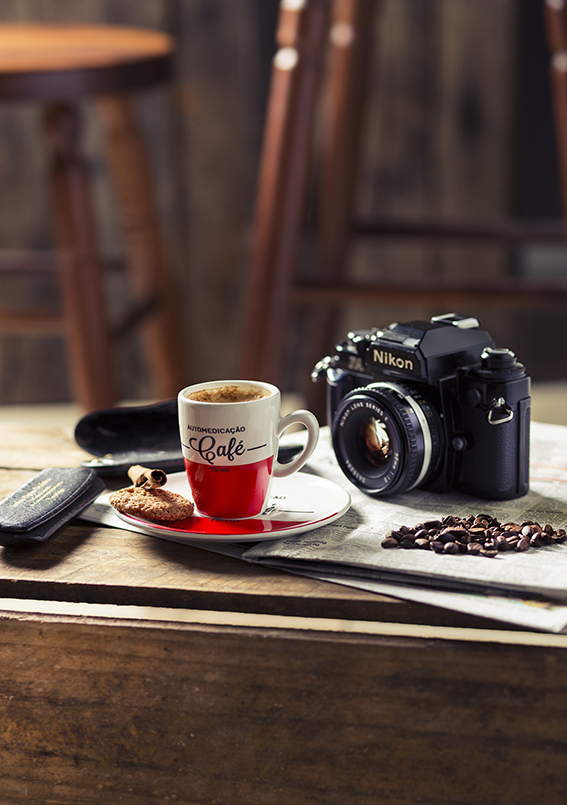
230, 431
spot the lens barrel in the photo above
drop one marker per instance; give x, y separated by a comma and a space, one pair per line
387, 438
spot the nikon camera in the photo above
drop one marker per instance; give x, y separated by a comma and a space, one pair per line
431, 405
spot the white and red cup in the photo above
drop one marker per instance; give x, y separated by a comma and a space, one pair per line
230, 448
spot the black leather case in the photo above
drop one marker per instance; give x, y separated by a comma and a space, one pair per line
47, 501
123, 436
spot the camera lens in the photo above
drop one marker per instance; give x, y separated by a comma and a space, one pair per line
387, 438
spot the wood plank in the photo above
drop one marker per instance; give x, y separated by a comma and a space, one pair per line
28, 321
111, 566
140, 714
35, 447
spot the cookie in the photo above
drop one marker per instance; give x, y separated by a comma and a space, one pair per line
151, 504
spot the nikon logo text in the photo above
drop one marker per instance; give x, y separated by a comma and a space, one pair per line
388, 359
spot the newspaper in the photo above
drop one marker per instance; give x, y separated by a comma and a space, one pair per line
527, 588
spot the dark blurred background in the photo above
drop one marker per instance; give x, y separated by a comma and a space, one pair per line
458, 125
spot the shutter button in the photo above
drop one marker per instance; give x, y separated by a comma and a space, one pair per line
497, 359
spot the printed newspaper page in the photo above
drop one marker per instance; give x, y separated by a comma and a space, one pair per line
530, 613
349, 550
528, 589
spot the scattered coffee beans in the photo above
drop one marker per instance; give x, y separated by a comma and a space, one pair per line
477, 535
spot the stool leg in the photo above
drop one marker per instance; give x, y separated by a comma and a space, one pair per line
81, 273
148, 264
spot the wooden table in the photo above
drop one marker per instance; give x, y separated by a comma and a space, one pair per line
135, 670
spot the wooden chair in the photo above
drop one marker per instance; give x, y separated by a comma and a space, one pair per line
327, 42
59, 66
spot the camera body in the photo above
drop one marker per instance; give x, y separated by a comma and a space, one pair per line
430, 405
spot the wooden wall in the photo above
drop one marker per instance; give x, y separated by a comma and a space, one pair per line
440, 139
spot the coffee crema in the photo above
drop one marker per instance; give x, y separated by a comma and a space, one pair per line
229, 394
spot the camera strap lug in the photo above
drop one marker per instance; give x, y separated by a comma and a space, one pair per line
500, 412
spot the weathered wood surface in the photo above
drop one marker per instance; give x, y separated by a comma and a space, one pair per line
85, 562
96, 713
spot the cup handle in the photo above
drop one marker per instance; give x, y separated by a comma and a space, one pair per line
310, 421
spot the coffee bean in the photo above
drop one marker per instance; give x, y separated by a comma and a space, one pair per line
461, 530
480, 535
446, 535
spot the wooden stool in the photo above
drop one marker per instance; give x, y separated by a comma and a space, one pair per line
58, 66
324, 46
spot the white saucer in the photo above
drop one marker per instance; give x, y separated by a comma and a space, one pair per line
297, 504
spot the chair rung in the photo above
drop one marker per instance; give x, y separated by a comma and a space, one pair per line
29, 322
510, 231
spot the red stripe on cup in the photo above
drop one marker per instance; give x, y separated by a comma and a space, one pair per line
230, 492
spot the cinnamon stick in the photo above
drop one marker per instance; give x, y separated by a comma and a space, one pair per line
146, 478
